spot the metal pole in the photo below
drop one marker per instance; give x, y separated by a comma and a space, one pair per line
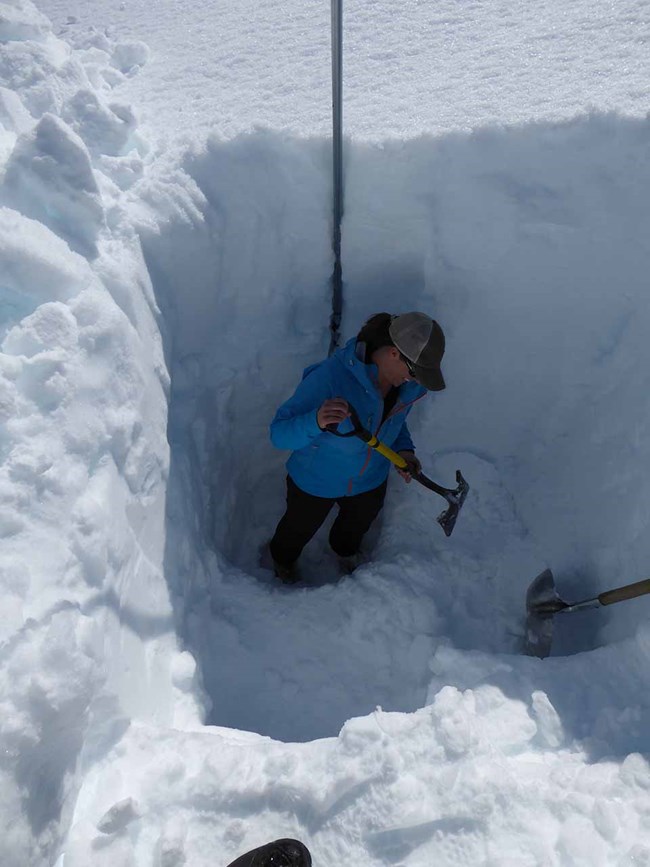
337, 165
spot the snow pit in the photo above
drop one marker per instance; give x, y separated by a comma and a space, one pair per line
137, 484
515, 239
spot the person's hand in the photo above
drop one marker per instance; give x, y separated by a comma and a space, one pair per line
414, 466
332, 411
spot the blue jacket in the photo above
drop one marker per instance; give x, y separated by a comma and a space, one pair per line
326, 465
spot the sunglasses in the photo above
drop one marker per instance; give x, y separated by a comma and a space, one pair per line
409, 365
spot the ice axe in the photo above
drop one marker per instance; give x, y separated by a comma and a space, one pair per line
455, 496
543, 602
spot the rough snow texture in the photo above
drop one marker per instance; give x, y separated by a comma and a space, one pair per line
86, 627
158, 303
409, 66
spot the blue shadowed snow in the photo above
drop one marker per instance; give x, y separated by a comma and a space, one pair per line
490, 237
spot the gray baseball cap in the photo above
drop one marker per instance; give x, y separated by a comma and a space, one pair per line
420, 339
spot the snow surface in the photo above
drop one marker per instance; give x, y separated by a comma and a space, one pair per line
410, 66
162, 284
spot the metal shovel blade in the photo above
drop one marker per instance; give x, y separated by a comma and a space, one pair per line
542, 602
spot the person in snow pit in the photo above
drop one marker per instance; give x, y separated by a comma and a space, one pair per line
280, 853
391, 363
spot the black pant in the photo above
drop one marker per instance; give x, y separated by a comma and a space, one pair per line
305, 514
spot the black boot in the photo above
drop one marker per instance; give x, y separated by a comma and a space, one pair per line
286, 574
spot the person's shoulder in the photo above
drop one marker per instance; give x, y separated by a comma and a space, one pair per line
347, 355
411, 392
320, 376
342, 362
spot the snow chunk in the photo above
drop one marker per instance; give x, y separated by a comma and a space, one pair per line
21, 21
47, 683
578, 844
480, 720
128, 57
50, 325
50, 177
42, 74
183, 671
635, 771
104, 129
119, 816
13, 114
94, 39
36, 263
171, 846
124, 171
549, 724
8, 395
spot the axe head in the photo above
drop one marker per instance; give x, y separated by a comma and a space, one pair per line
455, 498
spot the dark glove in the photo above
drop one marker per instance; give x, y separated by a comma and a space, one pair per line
414, 466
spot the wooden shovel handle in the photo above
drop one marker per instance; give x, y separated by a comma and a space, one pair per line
630, 591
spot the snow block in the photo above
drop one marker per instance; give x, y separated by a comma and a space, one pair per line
13, 114
118, 817
43, 74
129, 57
94, 39
50, 325
105, 129
50, 178
123, 171
21, 21
36, 262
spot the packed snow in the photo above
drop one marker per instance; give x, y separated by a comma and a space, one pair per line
165, 203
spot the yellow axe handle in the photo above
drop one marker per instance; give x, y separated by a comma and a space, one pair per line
387, 452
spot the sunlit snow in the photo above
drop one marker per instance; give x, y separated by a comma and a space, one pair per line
165, 202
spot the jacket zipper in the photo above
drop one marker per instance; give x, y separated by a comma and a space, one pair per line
397, 409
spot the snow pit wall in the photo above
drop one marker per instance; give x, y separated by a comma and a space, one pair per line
530, 246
